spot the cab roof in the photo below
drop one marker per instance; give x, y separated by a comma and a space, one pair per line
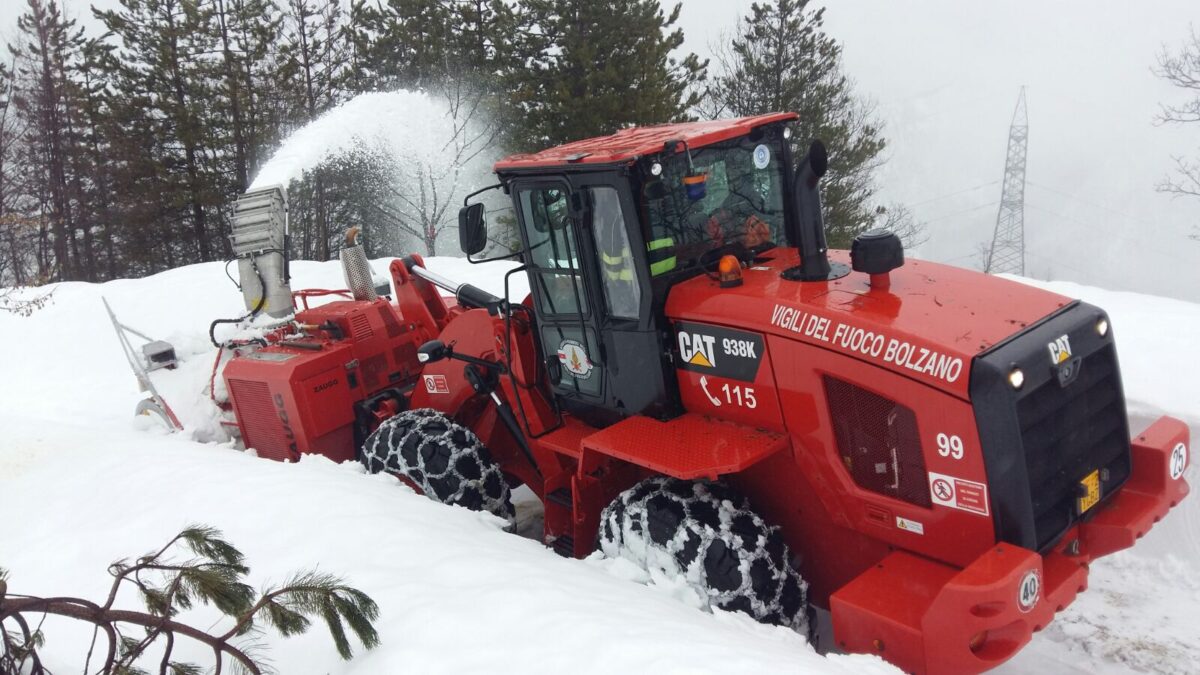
629, 144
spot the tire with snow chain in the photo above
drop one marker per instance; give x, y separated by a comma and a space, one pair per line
707, 534
445, 459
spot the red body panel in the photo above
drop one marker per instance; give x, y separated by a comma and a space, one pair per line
931, 317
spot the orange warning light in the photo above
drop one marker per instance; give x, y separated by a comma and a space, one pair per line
730, 271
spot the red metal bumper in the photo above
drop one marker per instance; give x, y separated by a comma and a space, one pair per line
928, 617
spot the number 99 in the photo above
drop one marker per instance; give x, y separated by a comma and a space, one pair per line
950, 446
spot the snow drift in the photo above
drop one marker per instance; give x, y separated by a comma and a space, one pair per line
82, 485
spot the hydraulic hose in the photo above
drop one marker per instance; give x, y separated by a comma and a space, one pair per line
262, 300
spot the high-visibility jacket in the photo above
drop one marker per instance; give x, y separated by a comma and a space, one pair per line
659, 251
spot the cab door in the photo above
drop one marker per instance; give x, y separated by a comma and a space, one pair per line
563, 298
587, 272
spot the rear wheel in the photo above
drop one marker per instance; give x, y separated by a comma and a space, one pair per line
706, 533
443, 459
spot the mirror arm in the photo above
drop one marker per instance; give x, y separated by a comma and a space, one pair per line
467, 199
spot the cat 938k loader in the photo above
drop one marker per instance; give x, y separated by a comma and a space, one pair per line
932, 455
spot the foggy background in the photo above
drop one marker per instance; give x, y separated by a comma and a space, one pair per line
945, 76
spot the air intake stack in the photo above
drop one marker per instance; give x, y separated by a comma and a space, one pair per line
260, 229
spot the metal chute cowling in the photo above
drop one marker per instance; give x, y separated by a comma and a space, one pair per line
260, 243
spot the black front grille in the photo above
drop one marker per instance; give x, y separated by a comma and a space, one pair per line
1041, 440
1068, 432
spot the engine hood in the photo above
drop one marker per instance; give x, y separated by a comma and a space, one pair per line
929, 325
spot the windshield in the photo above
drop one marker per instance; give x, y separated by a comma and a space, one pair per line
734, 196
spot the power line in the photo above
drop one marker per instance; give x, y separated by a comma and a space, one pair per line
952, 194
959, 213
1134, 241
1089, 203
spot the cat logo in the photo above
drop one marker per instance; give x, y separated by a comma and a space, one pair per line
1060, 350
697, 349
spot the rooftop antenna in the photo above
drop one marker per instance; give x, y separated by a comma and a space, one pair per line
1007, 255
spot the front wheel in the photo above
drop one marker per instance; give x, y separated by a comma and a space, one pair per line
707, 534
444, 460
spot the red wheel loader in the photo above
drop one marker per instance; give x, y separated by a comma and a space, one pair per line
932, 455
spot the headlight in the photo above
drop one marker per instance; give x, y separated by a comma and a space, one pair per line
1016, 378
1102, 327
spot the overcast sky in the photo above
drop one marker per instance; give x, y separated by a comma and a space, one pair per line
944, 75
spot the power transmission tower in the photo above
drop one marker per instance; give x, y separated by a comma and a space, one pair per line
1008, 242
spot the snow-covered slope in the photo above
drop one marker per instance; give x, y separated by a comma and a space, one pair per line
81, 485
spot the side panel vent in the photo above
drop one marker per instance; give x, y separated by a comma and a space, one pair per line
261, 428
878, 441
360, 325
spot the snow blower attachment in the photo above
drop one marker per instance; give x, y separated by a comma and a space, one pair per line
153, 355
260, 232
830, 442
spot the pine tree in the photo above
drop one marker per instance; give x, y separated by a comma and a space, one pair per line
166, 80
480, 45
782, 60
17, 232
400, 43
314, 53
591, 68
44, 97
247, 31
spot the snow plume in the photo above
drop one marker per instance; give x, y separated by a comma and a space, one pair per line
409, 124
438, 146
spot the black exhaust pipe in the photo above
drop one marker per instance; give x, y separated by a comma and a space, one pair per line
814, 261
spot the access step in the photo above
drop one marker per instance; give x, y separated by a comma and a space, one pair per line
688, 447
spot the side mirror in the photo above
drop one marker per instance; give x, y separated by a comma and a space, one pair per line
434, 350
472, 230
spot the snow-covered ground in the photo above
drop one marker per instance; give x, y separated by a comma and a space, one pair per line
81, 485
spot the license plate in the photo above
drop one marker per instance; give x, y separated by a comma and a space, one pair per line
1089, 490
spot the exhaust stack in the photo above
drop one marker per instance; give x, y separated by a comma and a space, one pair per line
260, 230
356, 269
810, 226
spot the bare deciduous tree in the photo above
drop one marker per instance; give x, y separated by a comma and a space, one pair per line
428, 189
1182, 69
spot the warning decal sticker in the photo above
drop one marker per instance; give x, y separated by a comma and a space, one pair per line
957, 493
436, 384
713, 350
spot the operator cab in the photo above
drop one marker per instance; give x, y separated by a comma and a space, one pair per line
608, 225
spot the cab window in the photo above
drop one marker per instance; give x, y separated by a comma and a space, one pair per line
741, 202
616, 258
553, 253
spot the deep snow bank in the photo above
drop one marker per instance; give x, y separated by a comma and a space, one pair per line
80, 486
